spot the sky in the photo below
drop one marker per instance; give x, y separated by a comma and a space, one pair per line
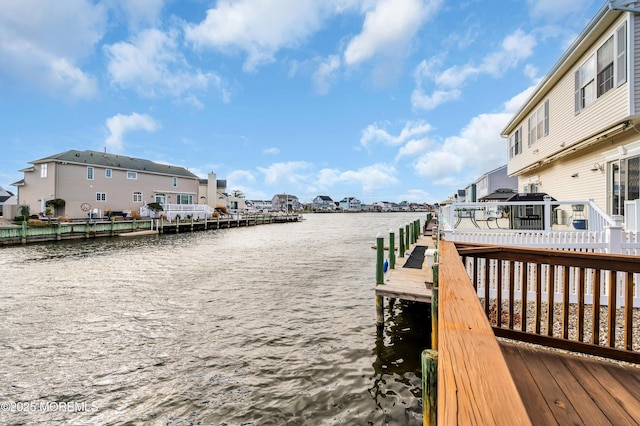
382, 100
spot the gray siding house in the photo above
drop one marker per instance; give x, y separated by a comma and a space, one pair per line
93, 182
323, 203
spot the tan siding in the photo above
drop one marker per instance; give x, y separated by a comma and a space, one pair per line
635, 30
567, 128
555, 178
77, 189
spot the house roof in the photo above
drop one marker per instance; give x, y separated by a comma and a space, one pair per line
115, 161
594, 29
324, 197
500, 194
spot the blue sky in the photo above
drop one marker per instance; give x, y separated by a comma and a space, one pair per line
379, 99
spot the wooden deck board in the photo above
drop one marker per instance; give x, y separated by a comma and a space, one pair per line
408, 283
576, 389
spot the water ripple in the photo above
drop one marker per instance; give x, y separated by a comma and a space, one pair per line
268, 325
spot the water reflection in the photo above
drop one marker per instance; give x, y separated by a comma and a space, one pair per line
399, 345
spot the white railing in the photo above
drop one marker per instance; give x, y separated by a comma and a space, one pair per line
632, 215
185, 211
561, 225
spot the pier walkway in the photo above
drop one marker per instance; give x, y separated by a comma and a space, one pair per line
409, 283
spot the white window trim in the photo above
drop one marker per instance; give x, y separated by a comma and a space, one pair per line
108, 173
140, 197
101, 199
132, 175
92, 171
43, 170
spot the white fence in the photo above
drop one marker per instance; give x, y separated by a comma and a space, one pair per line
561, 225
184, 211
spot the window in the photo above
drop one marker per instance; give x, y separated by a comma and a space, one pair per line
101, 196
108, 173
137, 197
515, 143
602, 71
90, 173
184, 199
538, 123
132, 175
43, 170
605, 67
175, 181
585, 84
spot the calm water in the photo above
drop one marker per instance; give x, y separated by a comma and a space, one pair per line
265, 325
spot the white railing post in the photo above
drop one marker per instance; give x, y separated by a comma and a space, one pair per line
613, 235
547, 213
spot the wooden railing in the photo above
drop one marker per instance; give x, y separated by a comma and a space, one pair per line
474, 385
512, 281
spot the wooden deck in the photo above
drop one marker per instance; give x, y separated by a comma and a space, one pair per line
408, 283
561, 388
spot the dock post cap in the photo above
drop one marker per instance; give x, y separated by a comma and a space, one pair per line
379, 235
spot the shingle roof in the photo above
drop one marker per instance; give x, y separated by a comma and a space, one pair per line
115, 161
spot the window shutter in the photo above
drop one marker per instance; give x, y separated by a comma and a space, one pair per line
621, 55
577, 92
546, 117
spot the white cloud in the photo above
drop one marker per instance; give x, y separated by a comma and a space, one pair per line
388, 29
141, 13
43, 43
120, 124
414, 147
238, 177
369, 178
477, 149
152, 65
271, 151
325, 74
373, 133
258, 29
291, 173
514, 48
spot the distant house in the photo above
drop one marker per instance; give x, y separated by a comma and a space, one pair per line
576, 136
350, 204
258, 206
285, 203
5, 197
92, 182
323, 203
387, 206
494, 180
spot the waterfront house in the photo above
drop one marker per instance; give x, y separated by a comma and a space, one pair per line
577, 136
285, 203
92, 182
258, 206
350, 204
323, 203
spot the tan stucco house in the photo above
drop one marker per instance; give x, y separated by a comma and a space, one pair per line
94, 182
577, 137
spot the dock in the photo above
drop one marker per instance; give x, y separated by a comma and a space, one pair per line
411, 278
406, 283
499, 356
